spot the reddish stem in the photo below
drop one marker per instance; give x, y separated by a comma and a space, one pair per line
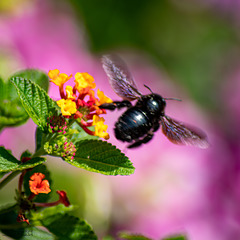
86, 124
61, 91
20, 182
87, 130
32, 195
47, 204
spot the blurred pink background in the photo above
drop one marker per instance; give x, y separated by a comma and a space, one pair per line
174, 189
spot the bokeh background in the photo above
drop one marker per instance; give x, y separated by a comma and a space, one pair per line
187, 49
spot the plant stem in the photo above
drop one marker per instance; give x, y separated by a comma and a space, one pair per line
39, 153
8, 178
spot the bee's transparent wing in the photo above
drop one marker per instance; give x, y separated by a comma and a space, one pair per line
120, 78
182, 134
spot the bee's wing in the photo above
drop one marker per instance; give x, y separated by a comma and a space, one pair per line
180, 133
120, 78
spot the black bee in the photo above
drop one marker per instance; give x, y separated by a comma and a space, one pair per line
138, 123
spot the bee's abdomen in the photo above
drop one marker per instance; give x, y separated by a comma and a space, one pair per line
133, 124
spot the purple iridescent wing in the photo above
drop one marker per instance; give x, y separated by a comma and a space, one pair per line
180, 133
120, 78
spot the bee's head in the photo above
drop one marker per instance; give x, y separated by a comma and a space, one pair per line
155, 103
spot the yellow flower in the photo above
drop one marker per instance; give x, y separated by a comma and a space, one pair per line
100, 127
69, 93
58, 79
84, 80
68, 107
103, 98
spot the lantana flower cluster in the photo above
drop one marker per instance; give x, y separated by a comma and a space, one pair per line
80, 102
37, 184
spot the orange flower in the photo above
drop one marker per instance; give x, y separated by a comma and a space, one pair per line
38, 185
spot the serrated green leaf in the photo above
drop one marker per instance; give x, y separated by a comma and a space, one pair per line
35, 100
12, 113
33, 233
101, 157
41, 197
28, 233
34, 75
9, 163
65, 226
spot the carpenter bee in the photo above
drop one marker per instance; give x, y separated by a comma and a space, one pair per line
139, 122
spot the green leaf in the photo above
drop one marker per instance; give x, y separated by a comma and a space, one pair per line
33, 233
38, 136
176, 237
12, 113
9, 163
27, 233
101, 157
20, 231
35, 100
129, 236
41, 197
35, 76
26, 154
76, 132
64, 226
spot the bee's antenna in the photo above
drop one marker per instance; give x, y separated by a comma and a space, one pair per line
177, 99
148, 88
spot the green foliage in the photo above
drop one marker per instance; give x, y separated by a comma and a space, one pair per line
102, 157
130, 236
9, 163
38, 137
35, 100
12, 113
76, 133
22, 231
34, 75
176, 237
59, 222
125, 235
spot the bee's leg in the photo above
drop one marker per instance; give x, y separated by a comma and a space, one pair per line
156, 126
116, 105
139, 142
